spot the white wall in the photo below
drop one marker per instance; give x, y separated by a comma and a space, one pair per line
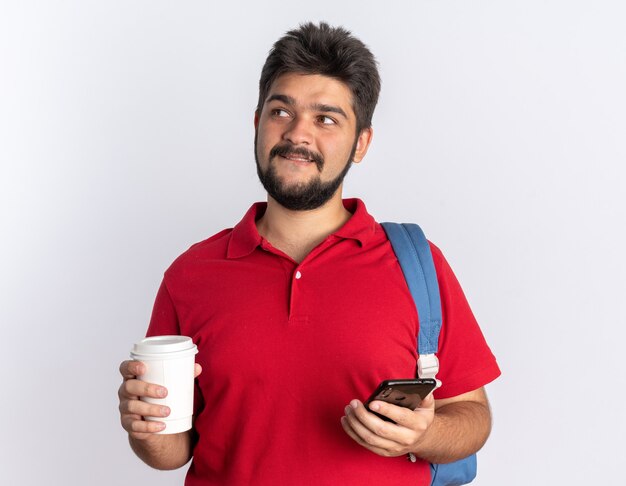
126, 135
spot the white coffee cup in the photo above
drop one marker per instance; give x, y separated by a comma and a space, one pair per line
169, 362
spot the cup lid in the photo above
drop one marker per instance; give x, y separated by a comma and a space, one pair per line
163, 344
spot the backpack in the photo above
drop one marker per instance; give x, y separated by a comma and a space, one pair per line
413, 253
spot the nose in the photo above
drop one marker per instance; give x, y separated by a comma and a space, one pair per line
298, 132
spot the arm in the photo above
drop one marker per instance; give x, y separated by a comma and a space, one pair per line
163, 452
169, 451
439, 431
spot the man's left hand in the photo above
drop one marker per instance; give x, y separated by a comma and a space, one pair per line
385, 438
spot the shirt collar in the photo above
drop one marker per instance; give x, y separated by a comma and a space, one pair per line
245, 237
361, 226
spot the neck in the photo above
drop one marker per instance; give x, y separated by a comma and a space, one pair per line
296, 233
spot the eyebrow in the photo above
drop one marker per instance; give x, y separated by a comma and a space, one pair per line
324, 108
329, 109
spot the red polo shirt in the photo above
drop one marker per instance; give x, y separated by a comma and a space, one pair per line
285, 346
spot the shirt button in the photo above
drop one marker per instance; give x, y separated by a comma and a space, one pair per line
298, 275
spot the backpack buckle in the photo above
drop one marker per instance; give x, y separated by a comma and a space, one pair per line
428, 367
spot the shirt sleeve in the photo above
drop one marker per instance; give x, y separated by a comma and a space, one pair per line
164, 321
466, 362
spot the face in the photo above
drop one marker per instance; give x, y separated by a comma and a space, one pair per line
306, 140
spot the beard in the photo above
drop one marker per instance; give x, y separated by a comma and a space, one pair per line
303, 196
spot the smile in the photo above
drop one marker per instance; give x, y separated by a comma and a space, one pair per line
296, 158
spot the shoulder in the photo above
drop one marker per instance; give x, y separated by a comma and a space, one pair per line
210, 249
441, 264
442, 267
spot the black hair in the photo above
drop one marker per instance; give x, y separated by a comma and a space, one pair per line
329, 51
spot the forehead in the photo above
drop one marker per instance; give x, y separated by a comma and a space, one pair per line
313, 89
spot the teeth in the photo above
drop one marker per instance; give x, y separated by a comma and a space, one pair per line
291, 157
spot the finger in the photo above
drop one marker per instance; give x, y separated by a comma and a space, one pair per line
197, 370
138, 428
347, 427
424, 415
138, 388
371, 429
402, 432
371, 421
131, 369
428, 403
143, 409
410, 424
402, 416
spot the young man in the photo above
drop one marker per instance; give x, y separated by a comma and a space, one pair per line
301, 309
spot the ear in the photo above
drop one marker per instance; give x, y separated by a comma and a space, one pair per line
256, 120
362, 144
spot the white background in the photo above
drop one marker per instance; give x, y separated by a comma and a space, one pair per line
126, 135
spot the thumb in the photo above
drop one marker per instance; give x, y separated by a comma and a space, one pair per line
197, 370
428, 404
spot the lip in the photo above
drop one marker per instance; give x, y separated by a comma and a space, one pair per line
296, 159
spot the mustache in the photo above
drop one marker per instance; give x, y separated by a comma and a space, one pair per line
287, 149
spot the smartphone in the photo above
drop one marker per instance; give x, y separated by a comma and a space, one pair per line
404, 393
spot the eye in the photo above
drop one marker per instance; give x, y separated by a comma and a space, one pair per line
326, 120
280, 113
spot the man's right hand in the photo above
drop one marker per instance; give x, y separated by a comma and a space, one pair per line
132, 409
159, 451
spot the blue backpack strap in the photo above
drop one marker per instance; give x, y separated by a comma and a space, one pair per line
455, 473
413, 253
